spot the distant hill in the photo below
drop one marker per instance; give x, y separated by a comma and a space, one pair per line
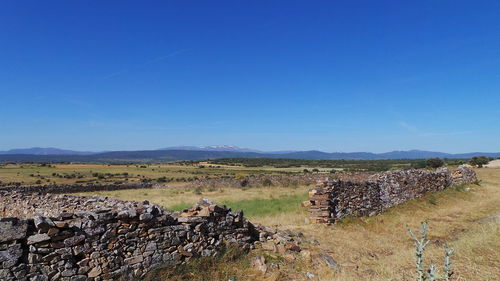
171, 155
232, 148
43, 151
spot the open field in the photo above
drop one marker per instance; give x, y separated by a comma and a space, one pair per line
178, 173
493, 164
29, 174
256, 202
374, 248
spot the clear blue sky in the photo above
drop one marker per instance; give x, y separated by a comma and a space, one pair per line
329, 75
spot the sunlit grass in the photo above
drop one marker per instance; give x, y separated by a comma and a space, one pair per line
367, 248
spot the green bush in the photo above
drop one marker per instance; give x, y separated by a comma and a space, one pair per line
434, 162
479, 161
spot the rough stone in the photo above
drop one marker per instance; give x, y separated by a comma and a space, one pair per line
12, 229
329, 261
73, 241
96, 271
259, 263
37, 238
98, 238
334, 199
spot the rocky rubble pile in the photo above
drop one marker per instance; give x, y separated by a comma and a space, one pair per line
338, 198
27, 205
97, 238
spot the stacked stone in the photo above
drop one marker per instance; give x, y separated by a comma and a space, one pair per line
75, 188
354, 198
321, 203
463, 174
339, 198
124, 242
396, 187
25, 204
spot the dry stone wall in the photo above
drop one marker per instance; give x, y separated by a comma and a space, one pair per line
73, 238
463, 174
75, 188
331, 200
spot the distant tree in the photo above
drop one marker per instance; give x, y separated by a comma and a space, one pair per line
306, 171
479, 161
315, 170
434, 162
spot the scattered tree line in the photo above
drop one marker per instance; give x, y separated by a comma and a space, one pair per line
351, 165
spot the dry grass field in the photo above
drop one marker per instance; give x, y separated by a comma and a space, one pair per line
43, 174
371, 248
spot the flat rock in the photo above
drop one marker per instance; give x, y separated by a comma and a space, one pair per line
75, 240
37, 238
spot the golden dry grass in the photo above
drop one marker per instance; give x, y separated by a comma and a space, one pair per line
369, 248
29, 174
379, 248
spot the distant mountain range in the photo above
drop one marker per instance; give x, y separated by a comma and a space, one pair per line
43, 151
172, 154
227, 148
232, 148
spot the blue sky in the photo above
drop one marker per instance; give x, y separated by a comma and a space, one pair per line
329, 75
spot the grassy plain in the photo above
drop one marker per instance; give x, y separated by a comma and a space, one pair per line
256, 202
29, 174
370, 248
374, 248
177, 173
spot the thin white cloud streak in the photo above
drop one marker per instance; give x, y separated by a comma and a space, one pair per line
414, 130
150, 62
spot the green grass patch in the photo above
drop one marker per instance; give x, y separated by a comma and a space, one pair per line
264, 207
259, 207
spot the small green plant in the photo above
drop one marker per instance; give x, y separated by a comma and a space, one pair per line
448, 272
477, 182
432, 200
461, 187
431, 274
